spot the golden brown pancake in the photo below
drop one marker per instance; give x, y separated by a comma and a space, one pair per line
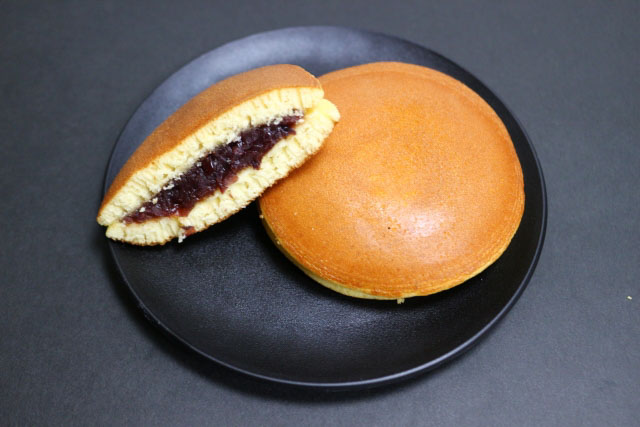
215, 154
417, 189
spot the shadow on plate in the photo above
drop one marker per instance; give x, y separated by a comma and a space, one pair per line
226, 376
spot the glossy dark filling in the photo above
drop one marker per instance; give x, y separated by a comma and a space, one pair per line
217, 170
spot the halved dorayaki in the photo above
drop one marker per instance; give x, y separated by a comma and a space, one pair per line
216, 154
417, 189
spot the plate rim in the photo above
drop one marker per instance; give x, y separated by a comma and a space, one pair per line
370, 382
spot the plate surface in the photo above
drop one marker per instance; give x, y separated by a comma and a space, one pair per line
230, 295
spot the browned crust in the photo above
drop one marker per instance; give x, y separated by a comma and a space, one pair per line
417, 189
203, 108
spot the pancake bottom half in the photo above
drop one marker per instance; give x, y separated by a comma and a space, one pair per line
417, 189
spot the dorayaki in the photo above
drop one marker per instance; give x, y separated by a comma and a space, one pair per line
417, 189
216, 154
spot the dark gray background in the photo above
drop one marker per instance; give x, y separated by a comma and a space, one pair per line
75, 350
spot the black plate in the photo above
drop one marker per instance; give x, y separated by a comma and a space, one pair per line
230, 295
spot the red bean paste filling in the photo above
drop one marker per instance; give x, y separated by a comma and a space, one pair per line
216, 170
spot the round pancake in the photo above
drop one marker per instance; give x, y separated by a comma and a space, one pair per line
417, 189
